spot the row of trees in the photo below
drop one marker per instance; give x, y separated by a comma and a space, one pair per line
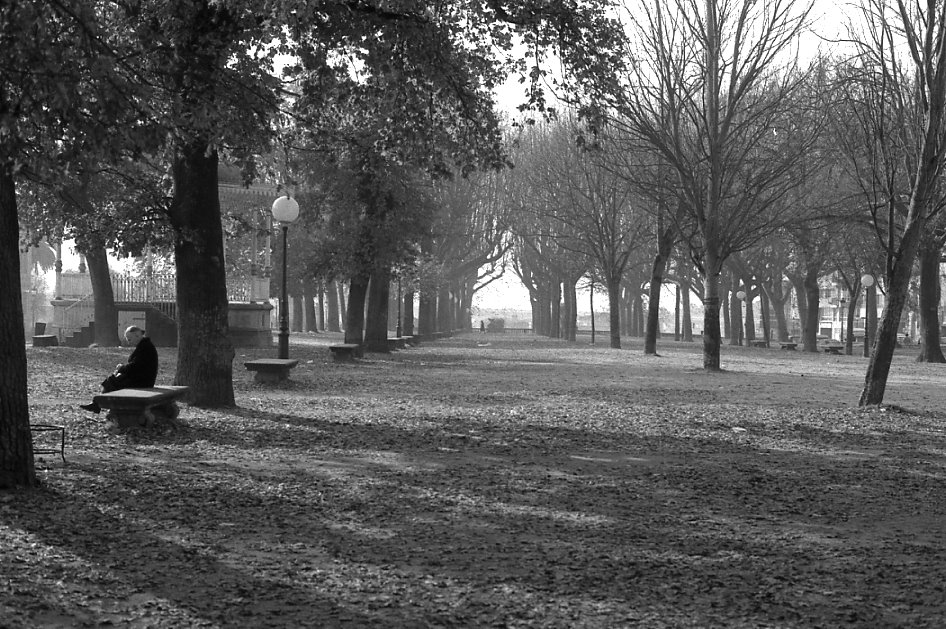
101, 99
759, 171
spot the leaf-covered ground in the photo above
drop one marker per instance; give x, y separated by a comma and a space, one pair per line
492, 481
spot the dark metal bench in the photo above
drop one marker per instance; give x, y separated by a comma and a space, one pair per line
789, 346
833, 349
756, 343
346, 352
132, 408
271, 369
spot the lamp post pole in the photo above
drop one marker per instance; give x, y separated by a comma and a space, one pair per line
285, 210
868, 281
284, 303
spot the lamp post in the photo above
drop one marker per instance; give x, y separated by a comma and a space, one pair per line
868, 281
285, 210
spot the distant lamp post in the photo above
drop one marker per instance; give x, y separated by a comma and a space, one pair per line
285, 211
867, 280
741, 296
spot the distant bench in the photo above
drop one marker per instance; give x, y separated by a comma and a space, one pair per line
346, 352
271, 369
758, 344
833, 349
45, 340
788, 345
132, 408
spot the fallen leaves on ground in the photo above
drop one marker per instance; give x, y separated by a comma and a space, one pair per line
523, 483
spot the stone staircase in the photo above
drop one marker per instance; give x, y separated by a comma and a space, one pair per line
83, 337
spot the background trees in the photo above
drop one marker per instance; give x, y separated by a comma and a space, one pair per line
704, 92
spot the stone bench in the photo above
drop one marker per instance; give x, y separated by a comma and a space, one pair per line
45, 340
346, 352
271, 369
395, 343
134, 408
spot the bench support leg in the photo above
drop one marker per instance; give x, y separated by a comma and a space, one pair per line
270, 376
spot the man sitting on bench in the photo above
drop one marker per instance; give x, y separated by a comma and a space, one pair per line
140, 372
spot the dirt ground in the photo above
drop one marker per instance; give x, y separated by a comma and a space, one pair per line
492, 481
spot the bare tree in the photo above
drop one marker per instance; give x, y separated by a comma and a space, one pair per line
603, 220
901, 49
705, 92
470, 240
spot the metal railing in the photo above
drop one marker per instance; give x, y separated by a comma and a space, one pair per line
152, 290
156, 288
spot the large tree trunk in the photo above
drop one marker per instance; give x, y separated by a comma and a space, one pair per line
541, 309
765, 313
930, 290
407, 315
712, 255
16, 444
570, 312
712, 342
749, 324
661, 259
106, 314
626, 314
205, 353
687, 317
355, 315
333, 310
444, 309
614, 316
308, 300
735, 316
809, 324
851, 312
376, 324
878, 369
676, 314
555, 314
427, 315
465, 305
298, 312
779, 302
